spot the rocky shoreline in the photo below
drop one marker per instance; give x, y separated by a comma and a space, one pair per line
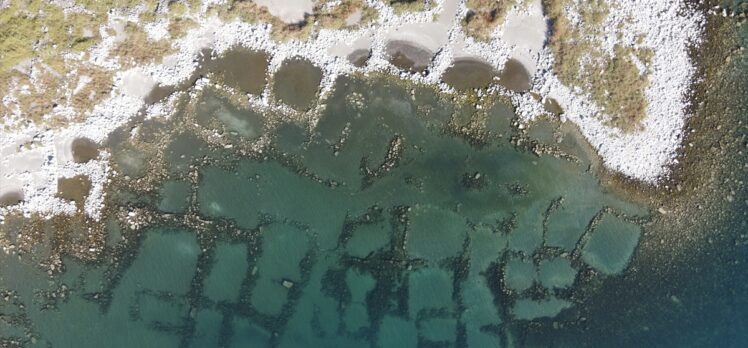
35, 156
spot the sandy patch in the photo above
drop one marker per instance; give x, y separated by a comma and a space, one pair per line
429, 35
525, 31
343, 48
288, 11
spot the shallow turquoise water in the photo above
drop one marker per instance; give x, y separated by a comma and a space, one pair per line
380, 227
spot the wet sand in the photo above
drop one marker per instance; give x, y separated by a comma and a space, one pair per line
466, 74
409, 56
11, 197
514, 76
359, 57
84, 150
74, 189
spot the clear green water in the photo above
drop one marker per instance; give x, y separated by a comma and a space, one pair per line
399, 220
385, 225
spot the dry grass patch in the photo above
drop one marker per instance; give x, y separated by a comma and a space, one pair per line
401, 6
138, 49
34, 37
336, 17
94, 91
613, 81
619, 89
333, 17
250, 12
30, 29
179, 26
485, 15
51, 86
36, 98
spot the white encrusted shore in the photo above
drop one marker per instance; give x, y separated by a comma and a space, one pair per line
668, 28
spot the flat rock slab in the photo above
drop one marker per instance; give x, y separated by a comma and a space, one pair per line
611, 245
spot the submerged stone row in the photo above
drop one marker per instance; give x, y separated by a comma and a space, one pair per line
443, 225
